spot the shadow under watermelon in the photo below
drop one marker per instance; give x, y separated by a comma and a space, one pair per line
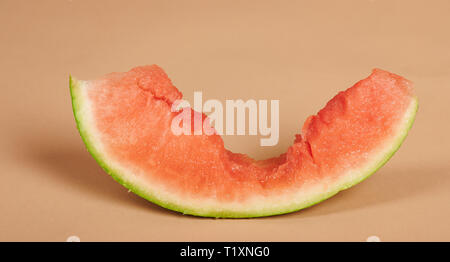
73, 166
387, 186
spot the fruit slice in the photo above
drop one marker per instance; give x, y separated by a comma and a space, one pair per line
125, 118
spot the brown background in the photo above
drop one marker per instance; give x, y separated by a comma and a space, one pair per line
300, 52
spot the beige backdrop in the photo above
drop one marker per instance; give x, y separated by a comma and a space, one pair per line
300, 52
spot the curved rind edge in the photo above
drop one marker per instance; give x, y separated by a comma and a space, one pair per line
77, 102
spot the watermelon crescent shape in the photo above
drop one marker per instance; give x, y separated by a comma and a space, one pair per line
124, 119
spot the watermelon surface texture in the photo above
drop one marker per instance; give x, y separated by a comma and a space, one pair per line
125, 118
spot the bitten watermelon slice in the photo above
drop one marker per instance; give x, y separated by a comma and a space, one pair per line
125, 118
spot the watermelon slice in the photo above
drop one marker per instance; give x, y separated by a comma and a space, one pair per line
125, 118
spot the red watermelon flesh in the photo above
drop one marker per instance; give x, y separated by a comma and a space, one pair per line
125, 120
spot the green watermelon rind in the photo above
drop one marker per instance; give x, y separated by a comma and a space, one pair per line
77, 103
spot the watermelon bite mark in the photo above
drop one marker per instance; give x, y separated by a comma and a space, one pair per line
125, 118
